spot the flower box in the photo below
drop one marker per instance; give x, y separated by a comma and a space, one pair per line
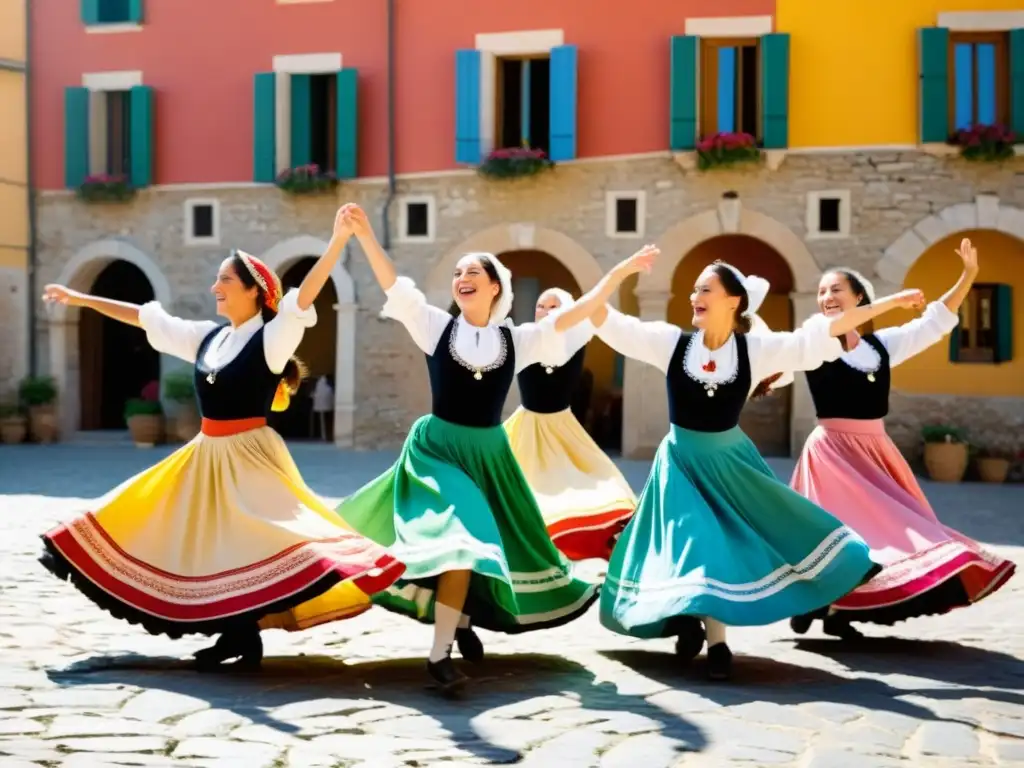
515, 162
985, 143
306, 180
106, 189
724, 149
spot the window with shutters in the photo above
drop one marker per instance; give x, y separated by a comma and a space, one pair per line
114, 11
985, 324
115, 125
979, 67
730, 95
523, 98
323, 108
111, 15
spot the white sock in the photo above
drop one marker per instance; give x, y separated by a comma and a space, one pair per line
464, 622
715, 631
446, 620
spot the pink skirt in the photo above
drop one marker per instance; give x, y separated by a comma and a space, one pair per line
852, 469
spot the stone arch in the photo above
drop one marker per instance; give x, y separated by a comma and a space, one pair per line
584, 267
279, 258
986, 212
79, 274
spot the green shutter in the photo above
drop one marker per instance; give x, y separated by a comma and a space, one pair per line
1017, 83
302, 113
1004, 323
954, 341
90, 12
682, 110
264, 128
140, 102
933, 97
135, 11
346, 140
775, 91
76, 136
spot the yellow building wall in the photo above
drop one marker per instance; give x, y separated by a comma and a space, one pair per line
853, 67
12, 29
1001, 260
13, 139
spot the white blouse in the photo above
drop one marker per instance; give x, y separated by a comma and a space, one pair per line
181, 338
478, 347
903, 342
654, 343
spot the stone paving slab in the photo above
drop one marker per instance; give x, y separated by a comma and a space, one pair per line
80, 689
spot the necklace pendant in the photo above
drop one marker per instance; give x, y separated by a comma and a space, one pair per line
549, 369
871, 377
478, 375
710, 389
211, 377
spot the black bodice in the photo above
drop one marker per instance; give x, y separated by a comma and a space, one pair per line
689, 404
461, 393
242, 389
549, 388
840, 391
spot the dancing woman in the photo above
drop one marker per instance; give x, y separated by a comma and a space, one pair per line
850, 467
715, 535
455, 506
223, 536
583, 497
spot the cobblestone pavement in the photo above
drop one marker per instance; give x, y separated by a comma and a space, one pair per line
80, 689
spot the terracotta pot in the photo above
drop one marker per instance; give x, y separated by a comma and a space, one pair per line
946, 462
993, 470
42, 421
186, 422
147, 429
13, 430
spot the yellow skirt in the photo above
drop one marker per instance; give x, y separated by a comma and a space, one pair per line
583, 497
223, 531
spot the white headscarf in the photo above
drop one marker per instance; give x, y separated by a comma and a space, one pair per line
869, 289
565, 299
503, 305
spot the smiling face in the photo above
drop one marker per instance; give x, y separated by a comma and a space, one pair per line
548, 302
235, 300
835, 294
472, 287
713, 307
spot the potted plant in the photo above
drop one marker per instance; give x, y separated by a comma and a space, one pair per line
106, 189
945, 453
13, 424
180, 389
306, 180
514, 163
727, 149
993, 464
39, 394
985, 143
145, 417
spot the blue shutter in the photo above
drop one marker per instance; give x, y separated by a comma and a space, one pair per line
1017, 83
1004, 323
347, 124
141, 138
135, 11
90, 12
467, 107
302, 114
775, 91
933, 69
264, 128
562, 144
682, 110
76, 136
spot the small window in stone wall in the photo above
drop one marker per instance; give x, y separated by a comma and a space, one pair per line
417, 219
202, 222
625, 213
985, 331
828, 214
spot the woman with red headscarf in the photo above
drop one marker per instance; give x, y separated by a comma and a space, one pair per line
223, 536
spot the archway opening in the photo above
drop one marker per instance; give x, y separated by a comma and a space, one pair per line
766, 421
533, 272
116, 361
306, 418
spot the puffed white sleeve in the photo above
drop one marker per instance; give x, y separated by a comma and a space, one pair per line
904, 341
424, 322
784, 352
651, 342
552, 351
538, 343
284, 333
173, 335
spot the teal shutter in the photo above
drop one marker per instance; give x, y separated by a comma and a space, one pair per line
682, 109
1004, 323
140, 103
775, 91
302, 113
562, 108
954, 342
76, 136
346, 139
90, 12
933, 66
1017, 83
467, 107
135, 11
264, 128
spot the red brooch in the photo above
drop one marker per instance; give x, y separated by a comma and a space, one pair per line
709, 366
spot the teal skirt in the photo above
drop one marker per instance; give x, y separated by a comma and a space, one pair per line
715, 534
457, 500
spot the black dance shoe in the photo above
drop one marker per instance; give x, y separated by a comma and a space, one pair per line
446, 676
839, 626
719, 662
246, 646
690, 637
469, 644
800, 624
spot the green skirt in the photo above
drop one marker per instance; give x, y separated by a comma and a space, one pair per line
457, 500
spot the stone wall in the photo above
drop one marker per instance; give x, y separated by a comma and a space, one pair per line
890, 193
14, 336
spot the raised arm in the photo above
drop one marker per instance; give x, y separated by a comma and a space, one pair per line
121, 311
317, 277
955, 296
852, 319
355, 218
594, 301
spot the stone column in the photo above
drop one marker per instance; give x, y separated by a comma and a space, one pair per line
344, 375
644, 407
801, 420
